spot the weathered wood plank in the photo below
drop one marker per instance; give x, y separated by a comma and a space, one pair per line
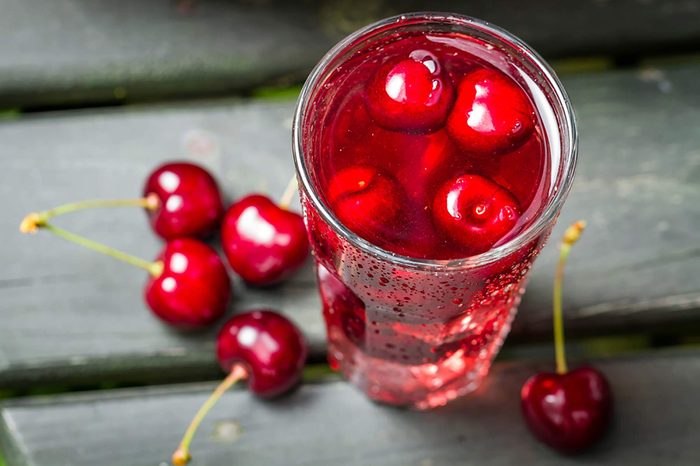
69, 315
656, 422
72, 51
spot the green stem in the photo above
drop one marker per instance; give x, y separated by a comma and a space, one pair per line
149, 202
289, 192
182, 455
154, 268
571, 236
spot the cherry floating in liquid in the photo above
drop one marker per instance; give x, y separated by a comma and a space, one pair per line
188, 285
475, 212
491, 114
260, 346
189, 201
365, 199
411, 95
264, 242
568, 411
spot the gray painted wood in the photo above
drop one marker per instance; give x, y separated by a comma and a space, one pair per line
75, 51
656, 422
70, 315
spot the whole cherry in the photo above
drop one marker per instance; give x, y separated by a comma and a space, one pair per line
491, 114
410, 95
261, 346
192, 287
365, 199
568, 411
475, 212
264, 242
188, 201
188, 285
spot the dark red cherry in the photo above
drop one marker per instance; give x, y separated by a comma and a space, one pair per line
365, 199
568, 412
491, 114
193, 289
475, 212
263, 242
411, 95
189, 201
342, 308
268, 345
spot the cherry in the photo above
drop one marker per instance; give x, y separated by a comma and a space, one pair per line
261, 346
411, 95
491, 115
188, 285
192, 289
475, 212
189, 201
365, 199
264, 242
568, 411
268, 345
342, 308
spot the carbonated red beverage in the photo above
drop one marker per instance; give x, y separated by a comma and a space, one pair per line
434, 157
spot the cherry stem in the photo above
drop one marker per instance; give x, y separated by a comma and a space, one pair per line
289, 192
32, 222
571, 236
150, 202
182, 455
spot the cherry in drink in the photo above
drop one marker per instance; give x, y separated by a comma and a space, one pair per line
434, 153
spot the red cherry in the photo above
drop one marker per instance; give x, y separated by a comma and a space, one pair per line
475, 212
261, 346
342, 308
410, 95
268, 345
570, 411
189, 201
491, 114
263, 242
193, 288
365, 199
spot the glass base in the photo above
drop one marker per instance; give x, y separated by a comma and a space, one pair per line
420, 386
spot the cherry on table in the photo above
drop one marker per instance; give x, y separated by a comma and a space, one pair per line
568, 411
192, 289
189, 201
264, 348
491, 114
410, 95
264, 242
188, 285
475, 212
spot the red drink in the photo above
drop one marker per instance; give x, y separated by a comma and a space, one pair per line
435, 153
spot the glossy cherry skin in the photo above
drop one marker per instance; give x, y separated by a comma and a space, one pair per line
189, 201
491, 115
568, 412
475, 212
268, 345
263, 242
365, 199
411, 95
194, 288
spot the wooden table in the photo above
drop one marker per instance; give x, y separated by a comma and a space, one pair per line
72, 320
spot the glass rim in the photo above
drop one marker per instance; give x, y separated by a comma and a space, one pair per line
532, 231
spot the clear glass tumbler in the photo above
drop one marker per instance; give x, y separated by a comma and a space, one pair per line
412, 331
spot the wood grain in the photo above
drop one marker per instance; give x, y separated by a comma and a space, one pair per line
656, 422
77, 51
70, 315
